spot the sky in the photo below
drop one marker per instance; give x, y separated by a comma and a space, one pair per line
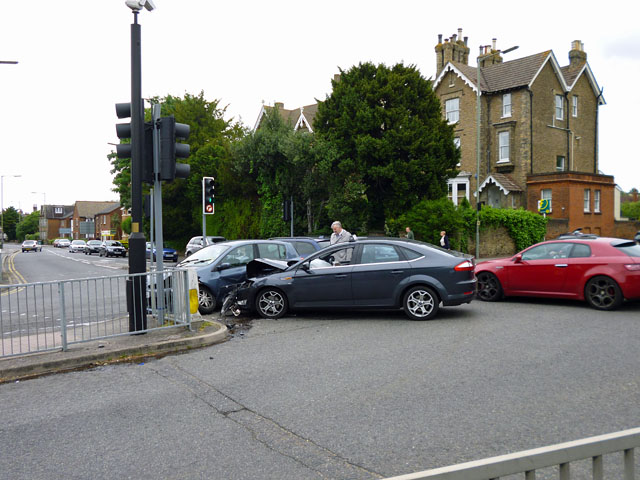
57, 105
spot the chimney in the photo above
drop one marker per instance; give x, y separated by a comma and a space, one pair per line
279, 105
577, 55
336, 78
453, 49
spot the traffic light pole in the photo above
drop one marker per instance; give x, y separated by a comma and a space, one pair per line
157, 214
137, 262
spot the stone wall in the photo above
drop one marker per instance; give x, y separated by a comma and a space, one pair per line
494, 242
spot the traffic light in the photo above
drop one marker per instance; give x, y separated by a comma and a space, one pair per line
208, 195
286, 211
123, 150
170, 130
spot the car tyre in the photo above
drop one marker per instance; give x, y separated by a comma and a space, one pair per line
206, 300
420, 303
603, 293
489, 287
271, 303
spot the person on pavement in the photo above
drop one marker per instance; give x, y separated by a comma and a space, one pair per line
444, 240
410, 233
340, 235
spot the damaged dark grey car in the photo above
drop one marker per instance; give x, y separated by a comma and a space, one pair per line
373, 274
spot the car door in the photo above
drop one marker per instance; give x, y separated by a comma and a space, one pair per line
541, 271
232, 267
323, 281
379, 270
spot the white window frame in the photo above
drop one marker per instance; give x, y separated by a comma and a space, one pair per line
504, 149
560, 168
506, 105
574, 106
452, 186
547, 194
452, 109
587, 200
596, 201
456, 142
559, 107
58, 211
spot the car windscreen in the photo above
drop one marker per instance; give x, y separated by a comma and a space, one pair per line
630, 248
205, 255
78, 242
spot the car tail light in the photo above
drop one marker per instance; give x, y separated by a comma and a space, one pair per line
634, 267
464, 266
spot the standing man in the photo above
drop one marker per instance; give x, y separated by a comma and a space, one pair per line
444, 240
340, 235
410, 233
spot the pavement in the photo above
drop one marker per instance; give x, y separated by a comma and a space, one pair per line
122, 349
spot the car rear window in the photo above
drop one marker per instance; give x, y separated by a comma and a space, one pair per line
303, 248
411, 254
630, 248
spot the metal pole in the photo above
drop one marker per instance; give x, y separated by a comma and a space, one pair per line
291, 210
157, 213
478, 119
137, 261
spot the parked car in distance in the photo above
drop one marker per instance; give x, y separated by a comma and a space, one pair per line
380, 274
168, 254
196, 244
77, 246
305, 246
61, 243
225, 263
31, 246
92, 246
599, 270
637, 237
112, 248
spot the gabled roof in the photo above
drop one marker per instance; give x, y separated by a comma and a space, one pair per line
519, 73
91, 209
299, 118
110, 208
50, 211
503, 182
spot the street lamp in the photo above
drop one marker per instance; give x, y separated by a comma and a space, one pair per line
478, 125
2, 207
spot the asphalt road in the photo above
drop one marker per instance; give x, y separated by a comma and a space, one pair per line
348, 396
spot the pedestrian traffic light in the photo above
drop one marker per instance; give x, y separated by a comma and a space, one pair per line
170, 130
208, 195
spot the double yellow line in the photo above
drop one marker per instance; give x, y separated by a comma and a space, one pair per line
9, 268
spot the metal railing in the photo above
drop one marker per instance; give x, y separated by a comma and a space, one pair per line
561, 455
45, 316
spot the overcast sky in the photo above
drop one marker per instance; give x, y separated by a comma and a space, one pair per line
57, 114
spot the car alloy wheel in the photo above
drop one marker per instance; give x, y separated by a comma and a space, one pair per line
603, 293
420, 303
271, 303
206, 300
489, 288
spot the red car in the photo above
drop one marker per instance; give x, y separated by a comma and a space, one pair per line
603, 271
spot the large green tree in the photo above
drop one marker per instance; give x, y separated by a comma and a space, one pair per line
285, 164
28, 225
9, 222
394, 148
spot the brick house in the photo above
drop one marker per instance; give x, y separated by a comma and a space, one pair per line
105, 226
55, 222
538, 132
83, 224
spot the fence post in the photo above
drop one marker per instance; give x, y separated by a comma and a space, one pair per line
187, 302
63, 317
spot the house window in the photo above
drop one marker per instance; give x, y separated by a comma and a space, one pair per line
452, 80
456, 142
560, 163
58, 211
104, 219
458, 189
596, 201
587, 200
574, 106
506, 105
559, 107
545, 194
452, 108
503, 147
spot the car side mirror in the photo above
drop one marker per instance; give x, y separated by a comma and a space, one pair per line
224, 266
517, 258
305, 266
